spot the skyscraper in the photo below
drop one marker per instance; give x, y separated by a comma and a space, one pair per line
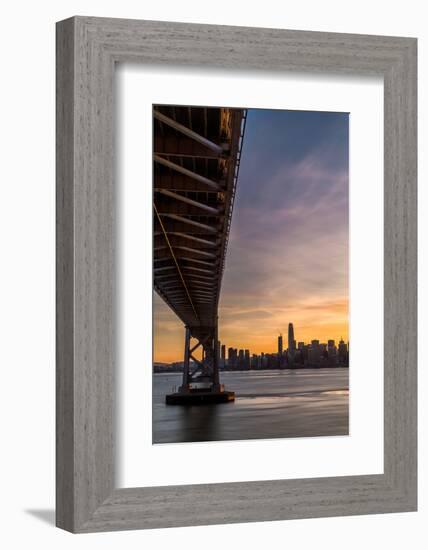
342, 352
314, 355
291, 340
241, 359
280, 345
247, 362
231, 362
223, 356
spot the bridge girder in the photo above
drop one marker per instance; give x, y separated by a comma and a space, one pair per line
196, 161
195, 164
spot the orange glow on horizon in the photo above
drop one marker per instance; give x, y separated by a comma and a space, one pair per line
317, 321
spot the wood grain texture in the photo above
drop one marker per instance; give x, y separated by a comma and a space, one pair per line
64, 276
87, 49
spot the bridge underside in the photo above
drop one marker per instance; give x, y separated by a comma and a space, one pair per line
196, 163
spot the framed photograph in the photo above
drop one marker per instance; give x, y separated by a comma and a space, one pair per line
236, 274
286, 257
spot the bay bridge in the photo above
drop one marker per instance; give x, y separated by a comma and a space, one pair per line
196, 158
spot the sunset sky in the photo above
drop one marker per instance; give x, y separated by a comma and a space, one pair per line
287, 258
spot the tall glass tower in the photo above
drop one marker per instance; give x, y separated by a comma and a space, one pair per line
291, 340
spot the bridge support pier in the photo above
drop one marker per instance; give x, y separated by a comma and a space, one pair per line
186, 362
202, 385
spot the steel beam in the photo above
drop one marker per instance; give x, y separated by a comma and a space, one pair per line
179, 240
206, 284
196, 277
193, 238
180, 254
166, 277
188, 210
199, 262
186, 172
162, 259
164, 268
169, 289
186, 363
198, 269
172, 226
183, 198
216, 377
180, 145
197, 251
187, 132
205, 226
176, 292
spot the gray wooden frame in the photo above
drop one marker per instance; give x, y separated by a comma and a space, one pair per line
87, 50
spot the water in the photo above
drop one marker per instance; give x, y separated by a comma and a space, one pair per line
269, 404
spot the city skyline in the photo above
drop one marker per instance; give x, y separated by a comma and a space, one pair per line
277, 348
288, 245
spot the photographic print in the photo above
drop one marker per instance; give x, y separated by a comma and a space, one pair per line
250, 273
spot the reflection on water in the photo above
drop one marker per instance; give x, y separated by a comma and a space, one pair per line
269, 404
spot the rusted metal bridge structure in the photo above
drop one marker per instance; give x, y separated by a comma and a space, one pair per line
196, 157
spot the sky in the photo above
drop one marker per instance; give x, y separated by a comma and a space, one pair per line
287, 258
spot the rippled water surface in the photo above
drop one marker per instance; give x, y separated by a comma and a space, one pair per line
269, 404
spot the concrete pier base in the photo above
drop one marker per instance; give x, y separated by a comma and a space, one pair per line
197, 397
